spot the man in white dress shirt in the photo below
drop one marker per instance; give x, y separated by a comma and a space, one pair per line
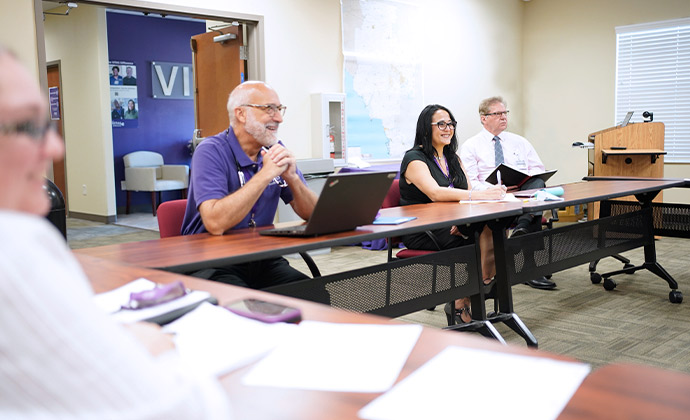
60, 355
483, 152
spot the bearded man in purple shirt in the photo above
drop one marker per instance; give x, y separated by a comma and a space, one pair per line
238, 175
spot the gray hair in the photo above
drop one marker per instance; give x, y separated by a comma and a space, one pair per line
486, 104
240, 95
236, 98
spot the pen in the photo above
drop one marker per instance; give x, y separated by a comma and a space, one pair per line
498, 178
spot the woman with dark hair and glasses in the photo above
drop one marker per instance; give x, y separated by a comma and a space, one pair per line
431, 171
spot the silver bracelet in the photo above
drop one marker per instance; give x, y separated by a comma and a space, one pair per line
470, 199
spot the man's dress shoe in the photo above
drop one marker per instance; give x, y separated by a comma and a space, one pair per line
541, 283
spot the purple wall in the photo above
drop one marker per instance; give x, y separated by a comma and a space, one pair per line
165, 125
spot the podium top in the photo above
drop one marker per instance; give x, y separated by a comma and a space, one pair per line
630, 126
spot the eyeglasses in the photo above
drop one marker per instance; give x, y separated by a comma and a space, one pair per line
442, 125
498, 114
35, 131
269, 109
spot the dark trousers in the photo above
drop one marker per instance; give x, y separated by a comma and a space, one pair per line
422, 241
255, 275
531, 221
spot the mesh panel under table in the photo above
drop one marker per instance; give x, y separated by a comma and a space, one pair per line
670, 219
546, 252
396, 288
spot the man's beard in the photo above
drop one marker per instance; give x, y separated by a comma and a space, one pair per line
261, 134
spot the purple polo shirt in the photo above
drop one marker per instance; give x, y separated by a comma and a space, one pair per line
214, 175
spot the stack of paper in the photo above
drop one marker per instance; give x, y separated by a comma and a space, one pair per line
213, 340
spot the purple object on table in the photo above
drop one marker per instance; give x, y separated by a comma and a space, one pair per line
156, 296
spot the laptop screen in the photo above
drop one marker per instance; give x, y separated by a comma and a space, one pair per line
346, 201
626, 120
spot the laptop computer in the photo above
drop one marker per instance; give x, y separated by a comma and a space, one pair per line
626, 120
347, 200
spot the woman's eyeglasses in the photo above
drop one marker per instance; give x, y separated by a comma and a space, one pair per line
442, 125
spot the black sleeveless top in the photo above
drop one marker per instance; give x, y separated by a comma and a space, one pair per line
409, 193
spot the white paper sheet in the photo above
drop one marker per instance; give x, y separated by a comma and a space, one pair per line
468, 383
213, 340
509, 198
337, 357
112, 301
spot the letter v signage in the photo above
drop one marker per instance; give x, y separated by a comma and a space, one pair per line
176, 85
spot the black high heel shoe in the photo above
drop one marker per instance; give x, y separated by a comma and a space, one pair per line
490, 289
454, 316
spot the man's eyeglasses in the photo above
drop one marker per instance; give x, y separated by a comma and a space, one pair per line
269, 109
35, 131
498, 114
442, 125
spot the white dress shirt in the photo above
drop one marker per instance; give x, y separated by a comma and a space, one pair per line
61, 357
477, 156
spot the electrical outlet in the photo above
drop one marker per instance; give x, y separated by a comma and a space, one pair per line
83, 189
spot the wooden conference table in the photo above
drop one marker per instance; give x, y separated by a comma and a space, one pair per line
184, 254
616, 391
391, 289
556, 250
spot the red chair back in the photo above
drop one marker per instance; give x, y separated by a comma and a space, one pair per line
393, 196
170, 216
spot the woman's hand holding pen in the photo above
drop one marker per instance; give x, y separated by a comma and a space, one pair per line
495, 192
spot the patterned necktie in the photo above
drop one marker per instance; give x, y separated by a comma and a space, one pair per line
498, 150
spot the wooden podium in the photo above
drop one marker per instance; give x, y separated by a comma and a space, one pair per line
634, 150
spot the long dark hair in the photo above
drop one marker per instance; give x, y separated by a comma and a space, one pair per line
422, 141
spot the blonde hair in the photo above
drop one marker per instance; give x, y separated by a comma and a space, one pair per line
485, 105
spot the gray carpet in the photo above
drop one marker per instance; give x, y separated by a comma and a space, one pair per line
633, 323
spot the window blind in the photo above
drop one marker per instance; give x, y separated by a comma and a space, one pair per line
653, 74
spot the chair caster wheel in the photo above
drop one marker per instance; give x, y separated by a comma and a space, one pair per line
628, 266
675, 296
595, 278
609, 284
548, 276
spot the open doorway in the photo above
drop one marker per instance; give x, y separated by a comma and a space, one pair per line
56, 115
79, 134
219, 66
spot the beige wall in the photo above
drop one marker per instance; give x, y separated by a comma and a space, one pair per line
79, 42
473, 51
569, 75
553, 60
18, 31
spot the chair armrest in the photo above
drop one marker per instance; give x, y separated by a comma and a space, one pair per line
311, 264
554, 215
140, 178
176, 172
431, 236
